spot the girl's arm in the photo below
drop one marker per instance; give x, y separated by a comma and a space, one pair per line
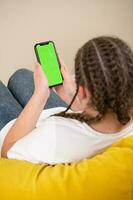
28, 118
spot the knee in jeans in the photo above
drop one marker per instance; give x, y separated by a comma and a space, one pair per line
17, 75
2, 84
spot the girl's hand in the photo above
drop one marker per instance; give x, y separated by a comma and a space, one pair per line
67, 90
40, 82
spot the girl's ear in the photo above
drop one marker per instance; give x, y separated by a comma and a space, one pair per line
84, 96
82, 92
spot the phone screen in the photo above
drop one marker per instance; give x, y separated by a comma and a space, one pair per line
47, 57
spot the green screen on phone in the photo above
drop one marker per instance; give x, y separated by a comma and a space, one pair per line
46, 55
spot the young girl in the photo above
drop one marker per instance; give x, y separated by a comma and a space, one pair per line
99, 111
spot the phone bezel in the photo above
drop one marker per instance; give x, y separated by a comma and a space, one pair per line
38, 59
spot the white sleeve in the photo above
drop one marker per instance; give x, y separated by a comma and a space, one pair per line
38, 146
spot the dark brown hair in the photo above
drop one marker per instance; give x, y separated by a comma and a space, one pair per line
104, 65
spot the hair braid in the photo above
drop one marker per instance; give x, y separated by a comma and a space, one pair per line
104, 65
83, 117
121, 107
128, 55
121, 74
94, 72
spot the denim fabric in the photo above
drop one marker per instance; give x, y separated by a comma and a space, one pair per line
15, 96
9, 106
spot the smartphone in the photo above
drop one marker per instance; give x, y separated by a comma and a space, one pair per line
47, 57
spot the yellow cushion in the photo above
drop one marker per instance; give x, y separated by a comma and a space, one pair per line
108, 176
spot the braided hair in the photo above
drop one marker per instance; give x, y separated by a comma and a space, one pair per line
104, 65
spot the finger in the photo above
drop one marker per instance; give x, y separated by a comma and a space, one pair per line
61, 61
54, 90
39, 71
37, 63
38, 66
63, 67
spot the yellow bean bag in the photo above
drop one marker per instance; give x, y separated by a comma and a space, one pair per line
108, 176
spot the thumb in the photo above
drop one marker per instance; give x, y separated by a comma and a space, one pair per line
57, 89
53, 88
38, 68
37, 64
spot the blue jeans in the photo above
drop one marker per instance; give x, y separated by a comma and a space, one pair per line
15, 96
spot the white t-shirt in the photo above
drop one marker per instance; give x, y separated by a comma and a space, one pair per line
60, 140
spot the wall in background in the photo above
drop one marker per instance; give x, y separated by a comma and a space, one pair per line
69, 23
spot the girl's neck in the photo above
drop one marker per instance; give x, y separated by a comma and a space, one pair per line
108, 124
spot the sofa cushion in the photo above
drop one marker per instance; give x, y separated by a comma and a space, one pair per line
107, 176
